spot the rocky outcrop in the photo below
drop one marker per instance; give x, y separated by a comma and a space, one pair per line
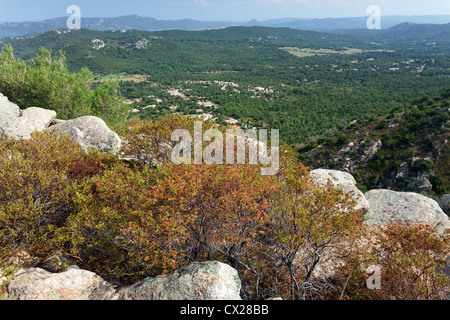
31, 120
73, 284
90, 132
198, 281
343, 181
366, 150
8, 111
444, 203
388, 206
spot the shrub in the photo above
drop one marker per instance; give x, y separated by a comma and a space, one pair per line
47, 83
440, 185
411, 259
309, 225
35, 189
126, 225
342, 141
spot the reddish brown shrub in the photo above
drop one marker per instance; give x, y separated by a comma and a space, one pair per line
410, 258
35, 189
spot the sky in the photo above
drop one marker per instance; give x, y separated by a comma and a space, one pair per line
217, 10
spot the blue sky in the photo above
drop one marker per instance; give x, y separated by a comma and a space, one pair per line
224, 10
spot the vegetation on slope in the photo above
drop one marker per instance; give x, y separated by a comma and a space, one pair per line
415, 138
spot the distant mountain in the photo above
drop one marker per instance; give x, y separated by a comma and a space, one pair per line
137, 22
406, 33
331, 24
131, 22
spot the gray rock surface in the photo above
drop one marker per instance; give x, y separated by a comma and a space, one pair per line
90, 132
388, 206
444, 203
198, 281
343, 181
8, 111
73, 284
31, 120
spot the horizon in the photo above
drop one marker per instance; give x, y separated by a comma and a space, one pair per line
240, 21
218, 10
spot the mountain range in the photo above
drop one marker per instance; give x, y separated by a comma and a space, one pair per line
138, 22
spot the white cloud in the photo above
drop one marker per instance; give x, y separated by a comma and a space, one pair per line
281, 1
287, 2
203, 3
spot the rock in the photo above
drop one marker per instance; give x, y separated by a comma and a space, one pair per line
22, 259
8, 111
371, 151
58, 262
388, 206
198, 281
343, 181
444, 203
31, 120
90, 132
73, 284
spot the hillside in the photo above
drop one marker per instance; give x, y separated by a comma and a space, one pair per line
407, 34
403, 151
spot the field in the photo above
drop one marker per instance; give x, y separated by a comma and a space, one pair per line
308, 52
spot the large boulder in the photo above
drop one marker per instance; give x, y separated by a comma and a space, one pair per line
31, 120
8, 111
344, 181
387, 206
198, 281
73, 284
90, 132
444, 203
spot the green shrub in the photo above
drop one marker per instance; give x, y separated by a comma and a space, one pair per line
440, 186
342, 141
46, 82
